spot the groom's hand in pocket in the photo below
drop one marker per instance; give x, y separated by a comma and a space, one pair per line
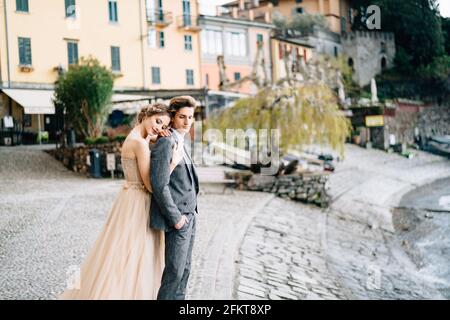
181, 223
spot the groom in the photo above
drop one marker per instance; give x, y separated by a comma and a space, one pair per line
174, 200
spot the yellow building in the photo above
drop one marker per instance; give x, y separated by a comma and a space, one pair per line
150, 44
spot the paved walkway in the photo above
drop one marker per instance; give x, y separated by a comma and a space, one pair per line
294, 251
50, 217
249, 245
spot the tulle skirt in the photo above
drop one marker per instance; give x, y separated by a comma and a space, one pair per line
127, 260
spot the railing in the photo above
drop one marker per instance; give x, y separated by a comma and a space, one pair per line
188, 22
159, 17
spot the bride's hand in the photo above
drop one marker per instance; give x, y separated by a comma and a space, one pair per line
160, 133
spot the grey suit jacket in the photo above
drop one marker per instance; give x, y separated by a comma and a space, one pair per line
173, 194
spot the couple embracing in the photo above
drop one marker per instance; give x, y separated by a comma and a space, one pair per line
144, 250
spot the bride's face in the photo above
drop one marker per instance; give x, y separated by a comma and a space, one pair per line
157, 121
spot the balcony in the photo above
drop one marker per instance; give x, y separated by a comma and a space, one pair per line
259, 14
159, 18
188, 23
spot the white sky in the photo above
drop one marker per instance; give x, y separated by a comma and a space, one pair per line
444, 6
209, 6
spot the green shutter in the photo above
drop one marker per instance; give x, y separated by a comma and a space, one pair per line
115, 58
22, 5
25, 51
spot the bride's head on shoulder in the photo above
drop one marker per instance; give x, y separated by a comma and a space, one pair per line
152, 119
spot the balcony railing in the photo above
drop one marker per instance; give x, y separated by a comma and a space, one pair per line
188, 22
159, 18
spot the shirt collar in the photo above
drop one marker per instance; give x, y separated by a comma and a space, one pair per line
177, 135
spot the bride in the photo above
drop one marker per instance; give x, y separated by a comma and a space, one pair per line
127, 259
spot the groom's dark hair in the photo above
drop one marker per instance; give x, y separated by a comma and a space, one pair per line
177, 103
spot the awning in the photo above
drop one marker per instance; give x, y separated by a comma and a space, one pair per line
36, 101
33, 101
129, 103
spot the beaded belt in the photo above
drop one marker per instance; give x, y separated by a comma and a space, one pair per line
134, 185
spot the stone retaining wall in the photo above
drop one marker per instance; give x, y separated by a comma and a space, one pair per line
75, 159
304, 187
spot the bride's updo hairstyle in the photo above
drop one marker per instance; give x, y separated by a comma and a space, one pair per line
152, 110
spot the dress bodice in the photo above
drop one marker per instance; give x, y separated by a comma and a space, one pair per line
132, 175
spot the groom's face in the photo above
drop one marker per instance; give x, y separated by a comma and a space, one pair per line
183, 120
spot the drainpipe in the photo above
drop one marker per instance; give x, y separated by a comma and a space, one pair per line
142, 44
7, 44
271, 67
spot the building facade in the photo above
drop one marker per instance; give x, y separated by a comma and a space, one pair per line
337, 12
149, 44
237, 41
368, 53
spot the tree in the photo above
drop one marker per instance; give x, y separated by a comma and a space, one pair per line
303, 23
85, 92
416, 25
304, 114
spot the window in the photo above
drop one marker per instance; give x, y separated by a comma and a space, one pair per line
22, 5
187, 11
156, 75
237, 76
25, 51
189, 77
115, 58
207, 80
113, 14
72, 51
259, 38
70, 8
299, 10
151, 38
336, 52
212, 42
236, 43
188, 42
383, 47
27, 120
161, 39
343, 24
155, 39
383, 63
351, 64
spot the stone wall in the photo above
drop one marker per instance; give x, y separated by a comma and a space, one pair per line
75, 159
407, 125
434, 121
305, 187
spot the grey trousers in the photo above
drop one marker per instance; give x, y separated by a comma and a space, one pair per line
178, 256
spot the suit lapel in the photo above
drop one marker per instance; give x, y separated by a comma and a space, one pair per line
188, 165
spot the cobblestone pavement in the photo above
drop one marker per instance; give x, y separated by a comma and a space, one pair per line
50, 217
248, 245
294, 251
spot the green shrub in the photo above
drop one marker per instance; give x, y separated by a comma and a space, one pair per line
89, 140
101, 140
98, 140
119, 138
